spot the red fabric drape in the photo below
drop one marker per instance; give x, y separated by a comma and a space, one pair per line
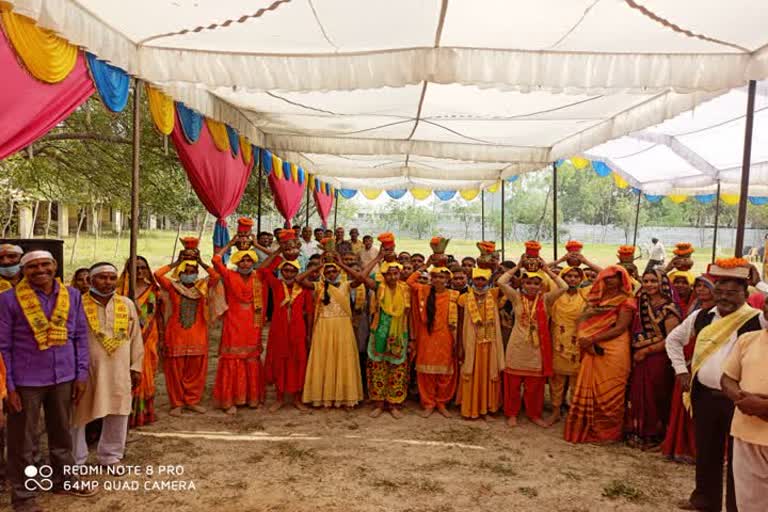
324, 203
287, 194
218, 178
29, 108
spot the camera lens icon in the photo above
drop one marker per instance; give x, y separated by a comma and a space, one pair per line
38, 479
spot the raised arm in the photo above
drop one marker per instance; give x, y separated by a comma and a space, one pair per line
503, 284
303, 278
224, 249
270, 259
583, 259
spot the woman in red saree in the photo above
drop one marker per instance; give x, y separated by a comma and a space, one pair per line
239, 374
680, 441
150, 318
597, 410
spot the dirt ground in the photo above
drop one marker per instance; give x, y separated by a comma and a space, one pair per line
346, 461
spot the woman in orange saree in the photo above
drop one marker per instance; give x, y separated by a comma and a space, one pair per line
150, 318
597, 411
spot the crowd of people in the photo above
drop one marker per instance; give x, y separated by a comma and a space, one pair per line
664, 360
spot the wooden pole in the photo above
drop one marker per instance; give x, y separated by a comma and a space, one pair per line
745, 165
554, 210
335, 207
637, 218
503, 233
306, 202
717, 221
482, 214
258, 199
135, 187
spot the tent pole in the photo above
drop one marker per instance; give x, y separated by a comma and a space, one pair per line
335, 207
258, 196
717, 220
135, 187
503, 183
554, 210
482, 214
637, 218
745, 165
306, 202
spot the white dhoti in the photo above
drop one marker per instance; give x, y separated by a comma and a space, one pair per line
111, 447
750, 474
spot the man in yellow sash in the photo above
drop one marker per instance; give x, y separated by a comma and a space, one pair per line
43, 331
715, 331
10, 266
116, 360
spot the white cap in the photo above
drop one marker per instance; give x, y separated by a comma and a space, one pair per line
102, 269
36, 255
762, 286
11, 249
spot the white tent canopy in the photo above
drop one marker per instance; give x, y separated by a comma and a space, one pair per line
688, 154
425, 93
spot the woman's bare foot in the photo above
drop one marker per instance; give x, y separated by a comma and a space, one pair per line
303, 409
254, 405
396, 413
442, 410
540, 422
176, 411
197, 408
276, 406
553, 419
231, 411
376, 412
489, 418
426, 413
512, 421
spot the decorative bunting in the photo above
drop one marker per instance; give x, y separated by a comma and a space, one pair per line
653, 198
295, 173
286, 192
469, 195
420, 194
371, 193
323, 203
218, 133
445, 195
277, 166
111, 82
601, 169
677, 198
287, 170
513, 179
161, 109
730, 199
758, 201
301, 175
620, 182
347, 193
191, 122
47, 57
494, 188
705, 198
579, 162
328, 188
234, 140
266, 162
312, 184
246, 150
397, 193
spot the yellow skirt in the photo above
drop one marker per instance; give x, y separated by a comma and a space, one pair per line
333, 370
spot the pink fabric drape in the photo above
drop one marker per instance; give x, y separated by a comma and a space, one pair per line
218, 178
29, 108
287, 194
324, 203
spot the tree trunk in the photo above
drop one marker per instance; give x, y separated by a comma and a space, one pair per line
48, 219
34, 219
543, 213
175, 242
117, 240
202, 227
77, 236
10, 218
95, 210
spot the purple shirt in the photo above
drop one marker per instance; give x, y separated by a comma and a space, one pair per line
25, 363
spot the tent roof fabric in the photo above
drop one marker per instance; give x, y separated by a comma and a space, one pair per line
417, 93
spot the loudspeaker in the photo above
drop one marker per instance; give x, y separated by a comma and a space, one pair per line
55, 247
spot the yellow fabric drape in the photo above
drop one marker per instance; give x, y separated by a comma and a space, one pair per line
246, 151
580, 163
161, 108
218, 133
277, 166
294, 173
730, 199
420, 193
620, 182
469, 195
493, 188
47, 57
371, 193
312, 182
677, 198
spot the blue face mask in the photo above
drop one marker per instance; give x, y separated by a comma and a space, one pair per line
97, 293
10, 270
188, 278
244, 271
484, 288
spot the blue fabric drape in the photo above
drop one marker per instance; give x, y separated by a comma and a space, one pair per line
191, 122
445, 195
301, 176
234, 140
758, 201
513, 179
601, 169
652, 198
221, 239
112, 83
397, 193
266, 162
286, 170
705, 198
347, 193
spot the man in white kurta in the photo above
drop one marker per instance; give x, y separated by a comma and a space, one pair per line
115, 364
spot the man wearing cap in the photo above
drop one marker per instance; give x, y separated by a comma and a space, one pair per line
355, 242
185, 347
10, 266
116, 353
44, 331
715, 331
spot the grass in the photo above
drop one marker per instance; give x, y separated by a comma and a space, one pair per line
157, 247
294, 453
622, 490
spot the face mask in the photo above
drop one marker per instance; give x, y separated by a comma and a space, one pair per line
97, 293
335, 281
245, 272
10, 270
483, 289
188, 278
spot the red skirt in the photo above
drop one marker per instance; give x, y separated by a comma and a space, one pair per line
239, 382
680, 442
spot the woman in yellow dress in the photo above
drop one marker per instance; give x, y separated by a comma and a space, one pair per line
333, 371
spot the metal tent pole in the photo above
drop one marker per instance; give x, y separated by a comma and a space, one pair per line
554, 210
637, 217
335, 207
717, 222
482, 214
745, 165
135, 188
503, 231
258, 196
306, 202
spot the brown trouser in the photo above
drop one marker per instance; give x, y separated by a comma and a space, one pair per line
56, 401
